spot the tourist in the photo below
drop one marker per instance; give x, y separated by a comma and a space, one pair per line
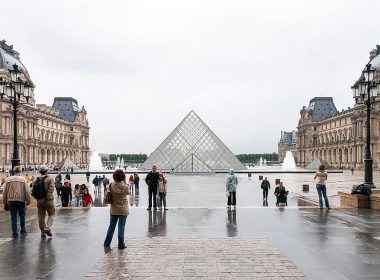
96, 183
16, 196
119, 209
105, 183
131, 182
277, 192
321, 176
151, 180
82, 188
67, 176
265, 185
86, 198
136, 180
162, 191
282, 197
78, 195
58, 184
2, 184
66, 193
88, 174
352, 171
231, 185
27, 178
46, 205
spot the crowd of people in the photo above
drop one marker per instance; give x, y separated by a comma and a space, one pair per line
18, 192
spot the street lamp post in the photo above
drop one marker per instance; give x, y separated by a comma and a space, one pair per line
14, 92
365, 90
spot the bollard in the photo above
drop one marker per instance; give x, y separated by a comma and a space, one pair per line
305, 188
261, 177
277, 181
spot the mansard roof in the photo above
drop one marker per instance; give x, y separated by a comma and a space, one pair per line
322, 108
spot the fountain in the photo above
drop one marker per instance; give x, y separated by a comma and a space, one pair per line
289, 163
95, 162
261, 162
122, 163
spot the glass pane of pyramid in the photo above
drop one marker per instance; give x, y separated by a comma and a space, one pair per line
192, 147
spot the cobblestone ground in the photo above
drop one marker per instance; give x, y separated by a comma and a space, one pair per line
195, 258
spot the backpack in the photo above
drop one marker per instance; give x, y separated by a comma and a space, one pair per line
39, 190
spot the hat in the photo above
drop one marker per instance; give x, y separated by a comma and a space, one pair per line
43, 168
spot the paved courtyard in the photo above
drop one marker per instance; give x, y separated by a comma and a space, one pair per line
198, 238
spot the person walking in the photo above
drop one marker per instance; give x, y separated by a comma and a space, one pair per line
231, 184
16, 196
66, 193
67, 176
119, 209
162, 190
58, 184
321, 176
277, 192
88, 174
46, 204
136, 180
265, 186
105, 183
95, 182
151, 180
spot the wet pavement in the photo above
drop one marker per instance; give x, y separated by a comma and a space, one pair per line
336, 244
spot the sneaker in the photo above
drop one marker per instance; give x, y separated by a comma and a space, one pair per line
14, 235
121, 247
43, 235
107, 249
48, 233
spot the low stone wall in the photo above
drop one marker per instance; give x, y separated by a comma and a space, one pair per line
359, 200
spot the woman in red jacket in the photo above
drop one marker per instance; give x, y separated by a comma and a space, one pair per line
86, 198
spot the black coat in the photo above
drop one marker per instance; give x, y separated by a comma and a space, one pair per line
152, 180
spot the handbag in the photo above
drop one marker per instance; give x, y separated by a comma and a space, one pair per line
6, 207
108, 197
227, 194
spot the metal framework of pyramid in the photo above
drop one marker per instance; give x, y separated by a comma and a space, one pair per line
193, 147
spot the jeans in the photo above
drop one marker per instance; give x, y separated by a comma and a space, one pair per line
231, 199
162, 199
120, 230
77, 200
14, 207
321, 189
152, 195
265, 193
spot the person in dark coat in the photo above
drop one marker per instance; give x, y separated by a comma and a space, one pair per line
151, 180
66, 193
88, 174
265, 185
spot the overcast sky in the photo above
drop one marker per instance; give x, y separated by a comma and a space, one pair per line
245, 67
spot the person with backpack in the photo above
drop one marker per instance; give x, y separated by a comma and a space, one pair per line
265, 185
231, 185
105, 182
15, 198
43, 191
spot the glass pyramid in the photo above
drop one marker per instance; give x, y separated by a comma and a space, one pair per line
193, 147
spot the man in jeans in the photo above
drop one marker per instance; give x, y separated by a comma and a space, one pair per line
152, 181
16, 195
46, 205
265, 185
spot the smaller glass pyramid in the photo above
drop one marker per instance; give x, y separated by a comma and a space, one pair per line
193, 147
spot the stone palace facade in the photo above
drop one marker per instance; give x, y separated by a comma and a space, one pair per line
46, 134
337, 138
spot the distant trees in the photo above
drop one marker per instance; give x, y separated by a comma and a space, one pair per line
254, 158
128, 158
